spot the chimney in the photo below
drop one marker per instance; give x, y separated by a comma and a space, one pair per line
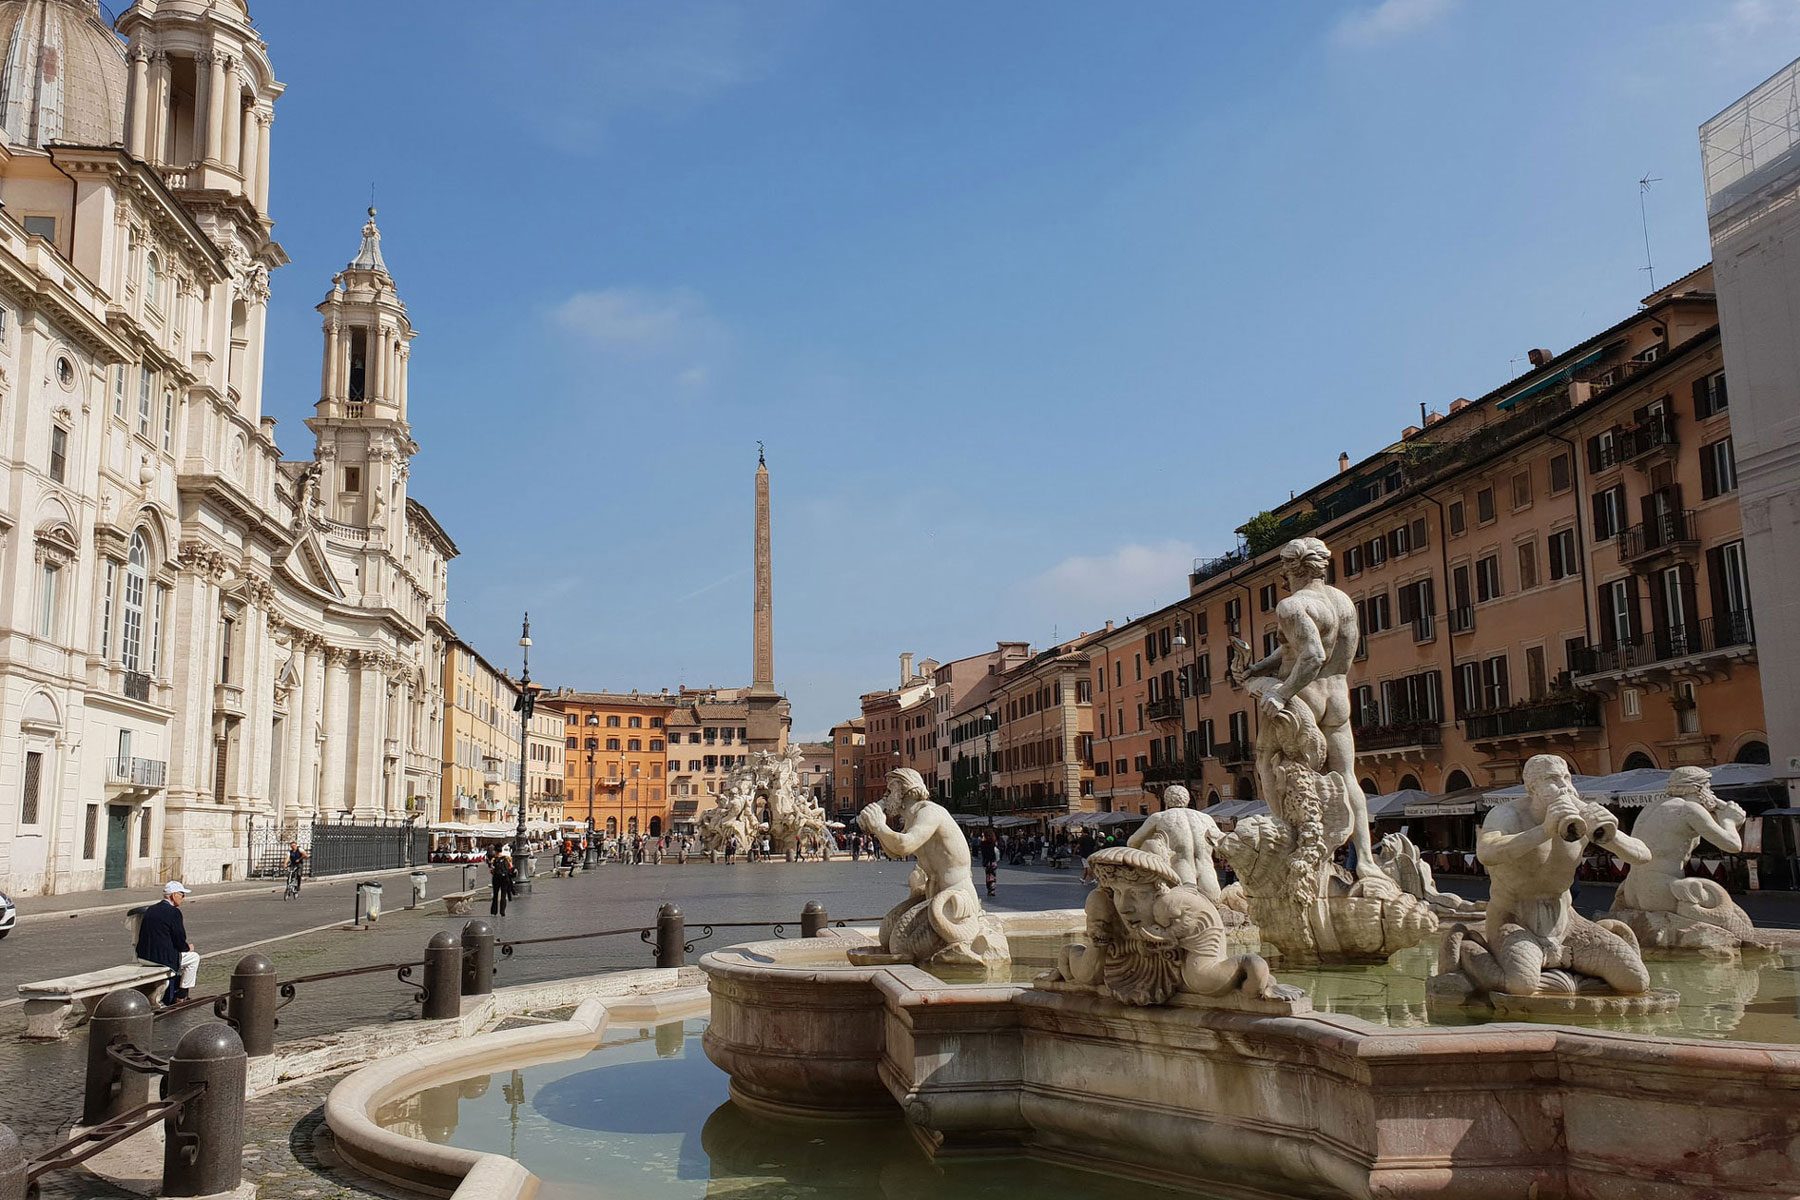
1539, 357
1409, 432
1433, 417
1458, 404
1343, 461
906, 671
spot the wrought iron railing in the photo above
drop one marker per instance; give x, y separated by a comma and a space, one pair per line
1234, 752
137, 686
1535, 717
1666, 531
1206, 568
1682, 640
1653, 433
1398, 733
1169, 708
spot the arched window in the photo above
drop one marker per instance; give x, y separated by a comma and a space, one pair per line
1369, 787
1456, 781
1409, 782
612, 827
137, 578
153, 279
1752, 752
655, 826
1637, 760
631, 825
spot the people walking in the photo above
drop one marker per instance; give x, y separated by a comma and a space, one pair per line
990, 859
504, 876
162, 941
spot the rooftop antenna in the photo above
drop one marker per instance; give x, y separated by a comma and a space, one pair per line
1644, 217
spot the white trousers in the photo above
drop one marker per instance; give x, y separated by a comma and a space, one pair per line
190, 967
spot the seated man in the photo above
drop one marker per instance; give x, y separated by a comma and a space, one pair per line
162, 941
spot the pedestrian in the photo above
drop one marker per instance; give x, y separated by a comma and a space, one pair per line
990, 860
503, 875
162, 941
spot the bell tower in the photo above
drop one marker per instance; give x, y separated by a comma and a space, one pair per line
364, 444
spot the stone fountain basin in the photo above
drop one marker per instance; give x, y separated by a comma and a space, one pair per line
1308, 1105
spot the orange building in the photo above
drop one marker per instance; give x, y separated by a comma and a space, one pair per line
616, 747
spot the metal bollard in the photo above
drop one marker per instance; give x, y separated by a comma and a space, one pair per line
12, 1166
671, 935
122, 1016
477, 959
813, 919
443, 971
251, 1007
203, 1143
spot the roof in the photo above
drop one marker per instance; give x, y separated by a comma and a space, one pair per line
66, 75
423, 515
612, 699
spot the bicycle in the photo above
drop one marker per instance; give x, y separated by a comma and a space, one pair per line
292, 891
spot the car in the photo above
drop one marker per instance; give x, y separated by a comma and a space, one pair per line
9, 914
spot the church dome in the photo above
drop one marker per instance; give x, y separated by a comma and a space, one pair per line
63, 75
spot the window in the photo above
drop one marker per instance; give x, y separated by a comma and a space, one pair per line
106, 609
1609, 513
90, 833
1484, 505
1718, 468
635, 723
131, 645
1618, 609
153, 280
1537, 683
635, 745
226, 628
44, 227
1561, 475
1418, 603
1400, 540
1376, 549
612, 743
1521, 490
1377, 616
353, 480
1268, 596
158, 600
1494, 691
570, 743
34, 777
168, 436
1528, 566
59, 453
1631, 703
1709, 395
1458, 518
119, 373
1562, 554
49, 584
1234, 612
1353, 562
1487, 578
656, 744
612, 722
145, 382
1271, 642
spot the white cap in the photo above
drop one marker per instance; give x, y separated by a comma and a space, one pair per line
175, 886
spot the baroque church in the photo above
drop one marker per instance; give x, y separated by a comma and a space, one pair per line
199, 639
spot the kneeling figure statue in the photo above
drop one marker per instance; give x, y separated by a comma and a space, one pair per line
941, 921
1536, 953
1149, 938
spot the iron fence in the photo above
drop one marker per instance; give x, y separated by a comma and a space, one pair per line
338, 847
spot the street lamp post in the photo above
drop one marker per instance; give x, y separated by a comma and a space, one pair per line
1180, 643
526, 703
593, 789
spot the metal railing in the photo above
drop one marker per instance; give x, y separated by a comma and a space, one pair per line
1668, 531
1424, 627
1172, 772
1535, 717
1206, 568
137, 772
1462, 618
1711, 635
1655, 432
1398, 733
137, 686
1234, 752
1169, 708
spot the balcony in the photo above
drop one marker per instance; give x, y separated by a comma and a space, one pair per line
228, 700
1169, 708
1424, 627
1670, 534
1235, 753
1654, 434
1730, 637
1172, 772
1462, 620
1537, 719
1398, 736
1206, 568
137, 774
137, 686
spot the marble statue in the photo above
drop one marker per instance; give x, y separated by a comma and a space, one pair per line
941, 921
732, 818
1401, 862
1307, 907
1662, 908
1310, 666
796, 821
1185, 838
1534, 944
1149, 937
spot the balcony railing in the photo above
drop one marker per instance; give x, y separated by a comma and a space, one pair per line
1172, 772
1206, 568
1424, 627
1397, 734
137, 772
1669, 532
1235, 752
1730, 632
1656, 432
137, 686
1539, 716
1169, 708
1462, 620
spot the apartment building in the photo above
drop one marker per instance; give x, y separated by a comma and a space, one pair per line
615, 746
709, 734
1556, 567
545, 765
847, 766
1021, 740
481, 739
900, 725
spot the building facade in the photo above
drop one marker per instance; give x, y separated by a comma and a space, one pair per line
198, 637
480, 783
615, 747
1021, 741
847, 766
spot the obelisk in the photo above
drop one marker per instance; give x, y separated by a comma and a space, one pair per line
764, 720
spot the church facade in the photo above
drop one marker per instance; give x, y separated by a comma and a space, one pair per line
199, 639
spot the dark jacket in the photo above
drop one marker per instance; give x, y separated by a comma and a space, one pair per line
990, 854
162, 935
503, 875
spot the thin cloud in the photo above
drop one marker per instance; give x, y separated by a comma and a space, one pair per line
1135, 578
639, 320
1389, 21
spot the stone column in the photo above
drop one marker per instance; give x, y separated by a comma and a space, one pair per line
377, 364
335, 720
247, 154
313, 714
215, 108
137, 103
157, 135
329, 376
202, 105
400, 356
369, 729
231, 122
293, 738
265, 119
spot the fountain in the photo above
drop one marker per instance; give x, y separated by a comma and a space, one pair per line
770, 783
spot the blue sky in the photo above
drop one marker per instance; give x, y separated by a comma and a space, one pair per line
1032, 303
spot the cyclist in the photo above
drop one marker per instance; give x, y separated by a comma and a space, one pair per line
296, 863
